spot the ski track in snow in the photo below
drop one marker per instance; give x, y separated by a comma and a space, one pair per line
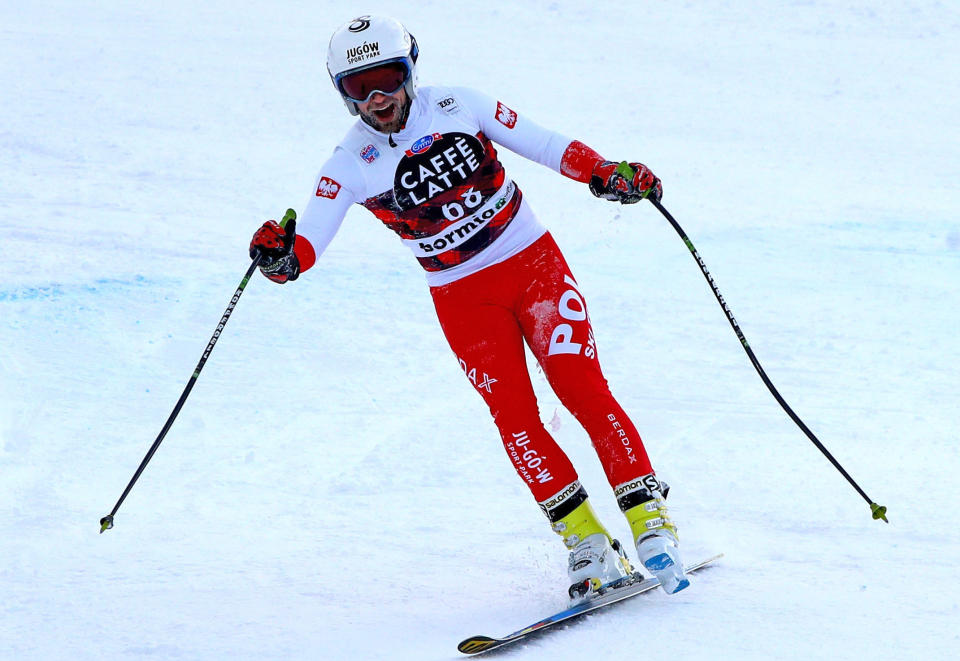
333, 488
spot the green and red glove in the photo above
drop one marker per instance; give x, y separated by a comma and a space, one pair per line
274, 244
624, 182
621, 182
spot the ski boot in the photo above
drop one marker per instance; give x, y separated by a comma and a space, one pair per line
654, 533
595, 564
596, 559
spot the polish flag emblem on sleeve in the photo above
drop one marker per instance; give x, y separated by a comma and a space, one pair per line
328, 188
506, 116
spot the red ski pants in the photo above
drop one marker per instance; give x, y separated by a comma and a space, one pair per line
532, 297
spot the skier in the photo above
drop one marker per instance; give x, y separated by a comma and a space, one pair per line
422, 159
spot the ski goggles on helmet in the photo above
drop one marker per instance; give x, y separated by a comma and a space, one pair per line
384, 77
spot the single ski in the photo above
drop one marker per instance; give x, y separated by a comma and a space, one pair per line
607, 595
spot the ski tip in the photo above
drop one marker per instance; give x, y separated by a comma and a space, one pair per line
476, 644
879, 512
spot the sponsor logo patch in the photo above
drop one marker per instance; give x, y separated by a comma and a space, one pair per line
369, 153
423, 144
527, 461
359, 24
558, 499
506, 116
435, 164
364, 51
481, 384
328, 188
448, 105
470, 214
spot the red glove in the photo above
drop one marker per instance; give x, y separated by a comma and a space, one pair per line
624, 182
274, 244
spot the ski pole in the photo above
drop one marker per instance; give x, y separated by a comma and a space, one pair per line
107, 522
879, 511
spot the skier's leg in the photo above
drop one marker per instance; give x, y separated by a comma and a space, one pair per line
485, 336
487, 341
557, 327
553, 314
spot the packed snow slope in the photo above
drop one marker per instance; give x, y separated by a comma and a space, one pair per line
334, 488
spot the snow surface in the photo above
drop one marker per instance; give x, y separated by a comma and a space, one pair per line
334, 489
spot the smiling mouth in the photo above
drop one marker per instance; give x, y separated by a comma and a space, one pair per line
384, 113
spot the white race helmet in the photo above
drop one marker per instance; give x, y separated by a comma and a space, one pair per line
367, 42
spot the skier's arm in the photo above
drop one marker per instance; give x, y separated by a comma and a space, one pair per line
571, 158
339, 185
516, 132
286, 254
